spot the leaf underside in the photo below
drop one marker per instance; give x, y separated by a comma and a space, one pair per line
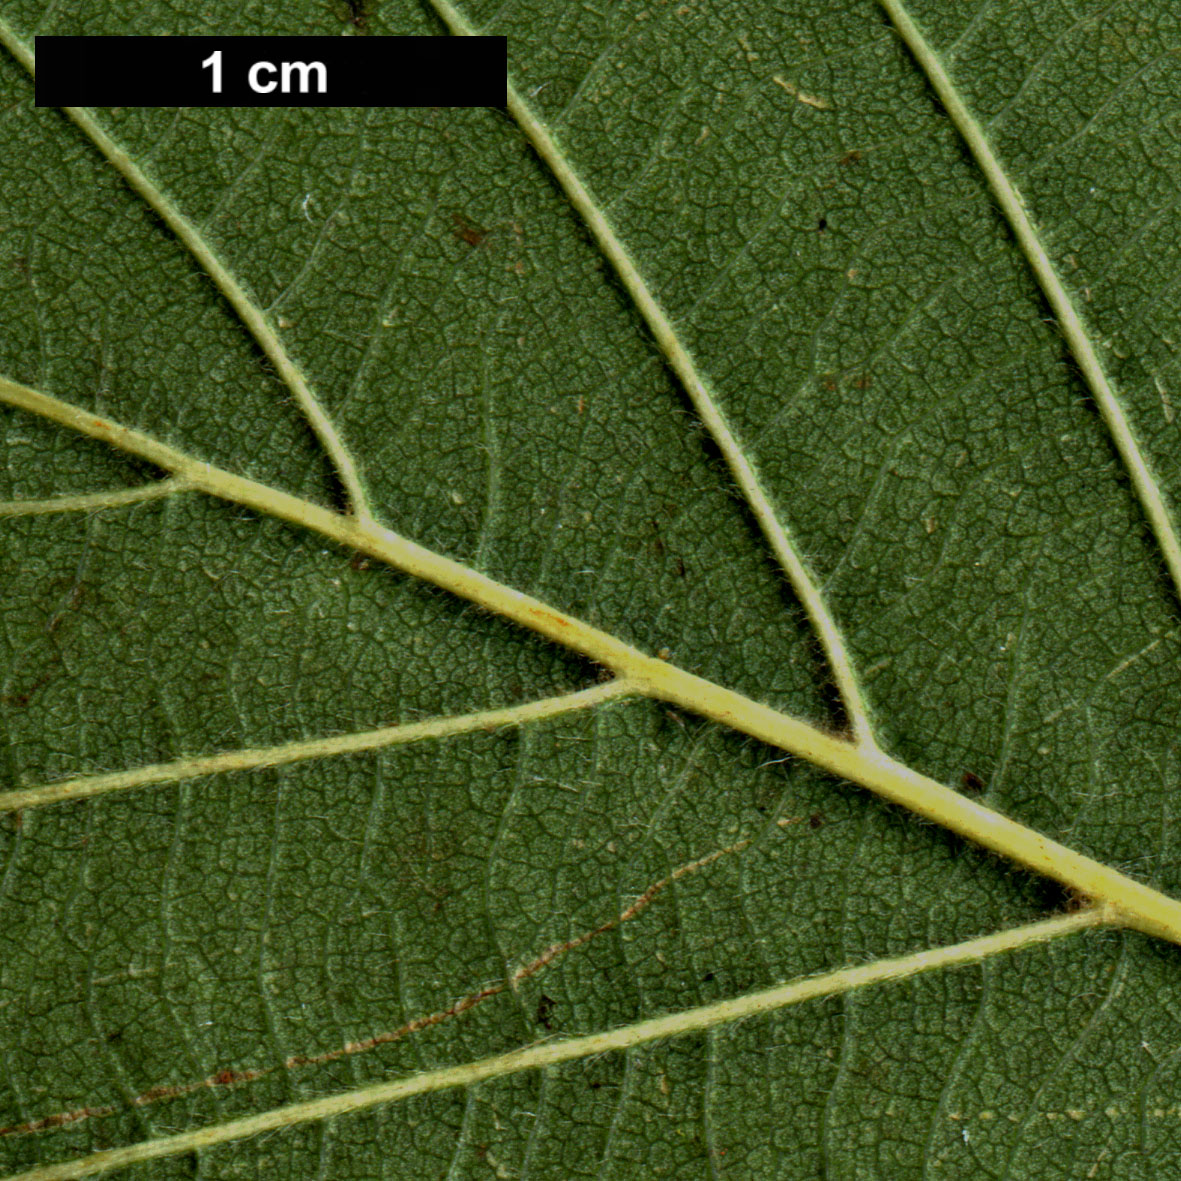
183, 954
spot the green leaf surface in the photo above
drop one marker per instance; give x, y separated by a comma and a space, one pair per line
206, 947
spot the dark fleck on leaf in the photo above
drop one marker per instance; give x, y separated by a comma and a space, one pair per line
467, 231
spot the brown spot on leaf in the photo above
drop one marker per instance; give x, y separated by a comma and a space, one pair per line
467, 231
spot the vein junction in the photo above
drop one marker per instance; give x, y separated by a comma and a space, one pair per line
1138, 905
1117, 899
248, 312
93, 501
551, 1053
699, 393
84, 786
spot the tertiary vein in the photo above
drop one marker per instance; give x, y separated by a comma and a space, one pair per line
527, 968
1119, 900
1140, 906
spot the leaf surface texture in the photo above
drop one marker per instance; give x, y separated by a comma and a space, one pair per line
192, 951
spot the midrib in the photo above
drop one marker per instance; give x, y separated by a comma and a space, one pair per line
1127, 902
1139, 905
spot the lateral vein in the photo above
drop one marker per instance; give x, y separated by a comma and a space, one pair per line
251, 316
93, 501
544, 1054
1070, 323
85, 786
1142, 907
699, 393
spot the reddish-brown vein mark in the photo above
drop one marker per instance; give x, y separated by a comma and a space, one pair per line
551, 953
229, 1078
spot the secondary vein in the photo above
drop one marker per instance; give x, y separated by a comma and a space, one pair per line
251, 316
549, 1053
93, 501
1070, 323
699, 393
1140, 906
200, 766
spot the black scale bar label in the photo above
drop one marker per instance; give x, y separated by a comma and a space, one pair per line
271, 71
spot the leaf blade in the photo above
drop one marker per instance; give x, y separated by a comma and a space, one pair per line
1143, 480
544, 1054
658, 789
